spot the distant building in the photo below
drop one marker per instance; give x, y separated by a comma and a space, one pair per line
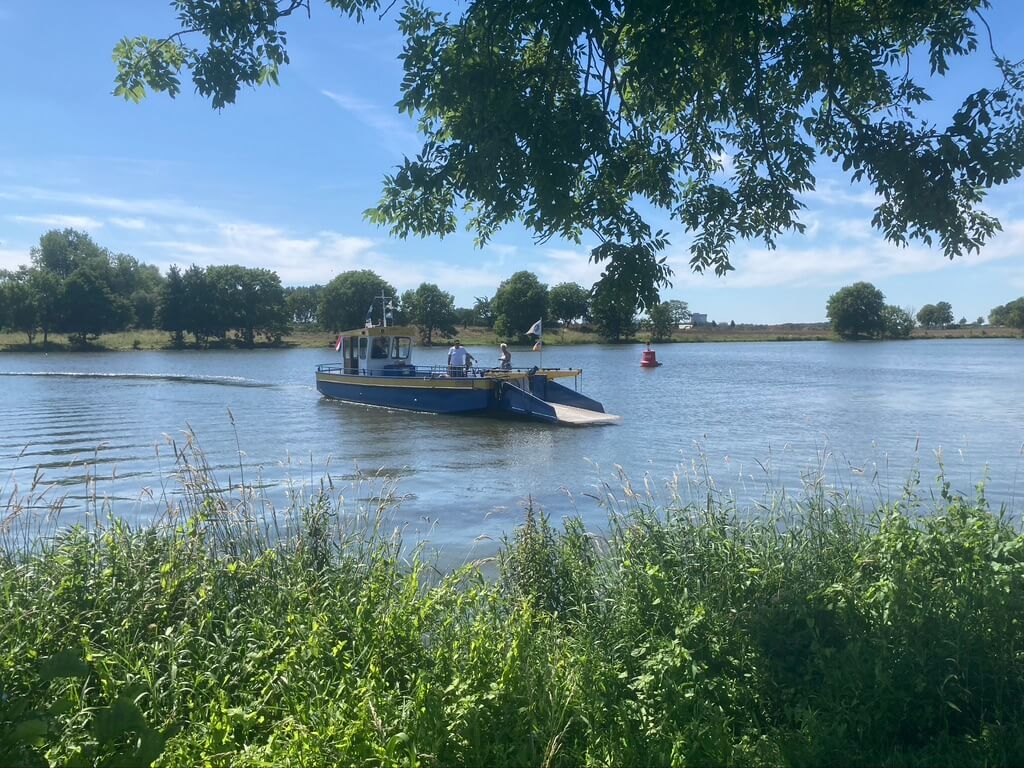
696, 318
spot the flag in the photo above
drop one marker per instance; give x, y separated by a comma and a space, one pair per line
535, 329
538, 346
369, 316
337, 347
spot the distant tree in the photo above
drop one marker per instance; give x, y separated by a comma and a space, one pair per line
5, 309
89, 306
662, 320
47, 292
15, 297
1011, 315
303, 304
144, 304
935, 315
172, 303
484, 311
732, 323
963, 320
138, 283
199, 309
465, 316
680, 311
613, 313
345, 300
898, 322
856, 311
519, 302
62, 251
251, 302
430, 309
980, 320
568, 302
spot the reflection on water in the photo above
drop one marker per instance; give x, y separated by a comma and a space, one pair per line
743, 418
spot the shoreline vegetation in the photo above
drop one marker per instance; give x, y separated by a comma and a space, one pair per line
482, 336
803, 632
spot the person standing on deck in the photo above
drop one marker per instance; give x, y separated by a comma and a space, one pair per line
504, 357
458, 359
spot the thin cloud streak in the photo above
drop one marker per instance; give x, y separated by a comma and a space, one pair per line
845, 260
60, 221
132, 224
156, 208
400, 138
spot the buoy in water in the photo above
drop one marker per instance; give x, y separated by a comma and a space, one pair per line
649, 359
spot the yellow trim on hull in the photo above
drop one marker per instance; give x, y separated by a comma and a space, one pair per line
406, 382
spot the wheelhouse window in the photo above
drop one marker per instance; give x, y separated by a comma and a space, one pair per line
379, 348
362, 347
400, 347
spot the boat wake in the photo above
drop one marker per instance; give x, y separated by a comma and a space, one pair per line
181, 378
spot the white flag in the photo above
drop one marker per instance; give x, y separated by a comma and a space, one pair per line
535, 329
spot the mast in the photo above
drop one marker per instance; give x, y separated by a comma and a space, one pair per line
386, 307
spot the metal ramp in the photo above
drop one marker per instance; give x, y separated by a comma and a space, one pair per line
580, 417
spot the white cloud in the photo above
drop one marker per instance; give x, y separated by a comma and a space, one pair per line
167, 208
59, 220
851, 255
126, 223
12, 259
298, 261
828, 192
397, 132
564, 265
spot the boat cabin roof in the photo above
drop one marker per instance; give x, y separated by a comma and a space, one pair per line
380, 330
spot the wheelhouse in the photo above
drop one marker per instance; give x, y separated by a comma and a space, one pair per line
379, 351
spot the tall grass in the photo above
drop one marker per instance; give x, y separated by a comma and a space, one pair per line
811, 633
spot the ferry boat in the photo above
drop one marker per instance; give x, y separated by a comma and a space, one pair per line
376, 368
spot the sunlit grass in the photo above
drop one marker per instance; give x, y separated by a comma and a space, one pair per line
802, 632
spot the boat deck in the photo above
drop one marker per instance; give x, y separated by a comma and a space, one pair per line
580, 417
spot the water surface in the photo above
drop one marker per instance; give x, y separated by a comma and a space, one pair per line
97, 428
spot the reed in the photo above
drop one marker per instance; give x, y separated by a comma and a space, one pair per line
804, 632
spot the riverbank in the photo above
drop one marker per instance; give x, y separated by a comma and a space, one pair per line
806, 634
482, 336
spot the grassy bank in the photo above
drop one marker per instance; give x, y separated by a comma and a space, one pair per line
813, 634
481, 336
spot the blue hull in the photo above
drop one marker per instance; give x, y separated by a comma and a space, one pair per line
451, 396
441, 393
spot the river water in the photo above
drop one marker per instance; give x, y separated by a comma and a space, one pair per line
748, 419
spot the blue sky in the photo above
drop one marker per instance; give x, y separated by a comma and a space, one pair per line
280, 179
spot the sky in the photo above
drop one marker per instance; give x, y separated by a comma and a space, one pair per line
280, 179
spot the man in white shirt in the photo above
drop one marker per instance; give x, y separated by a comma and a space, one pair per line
458, 359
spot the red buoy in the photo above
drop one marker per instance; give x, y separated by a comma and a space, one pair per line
649, 359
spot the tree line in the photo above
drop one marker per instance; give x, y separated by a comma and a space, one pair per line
859, 311
353, 297
76, 287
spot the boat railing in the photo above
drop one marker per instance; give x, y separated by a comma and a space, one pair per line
436, 371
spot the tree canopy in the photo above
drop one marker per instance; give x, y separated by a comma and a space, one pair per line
430, 309
1010, 314
935, 315
568, 302
661, 321
596, 119
857, 311
519, 302
345, 300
